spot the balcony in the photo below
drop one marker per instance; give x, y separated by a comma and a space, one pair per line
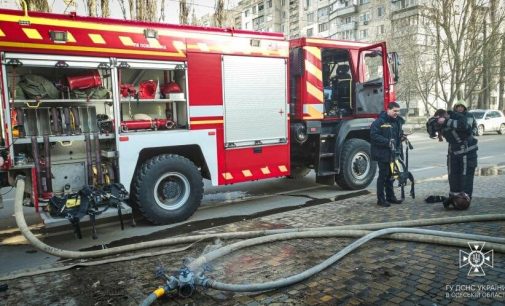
347, 26
346, 10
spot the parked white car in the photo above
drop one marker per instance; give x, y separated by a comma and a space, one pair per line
489, 120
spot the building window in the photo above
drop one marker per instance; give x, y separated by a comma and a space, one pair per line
246, 13
346, 20
254, 9
325, 11
365, 16
310, 17
283, 2
347, 35
283, 14
258, 22
247, 26
269, 3
282, 28
363, 34
310, 32
260, 7
323, 27
307, 3
381, 29
380, 11
361, 2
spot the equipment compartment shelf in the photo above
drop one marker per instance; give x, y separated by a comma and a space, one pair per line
61, 101
152, 100
80, 137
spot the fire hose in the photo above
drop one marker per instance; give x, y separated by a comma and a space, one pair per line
192, 274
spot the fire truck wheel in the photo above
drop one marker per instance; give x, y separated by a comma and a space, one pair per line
169, 188
357, 168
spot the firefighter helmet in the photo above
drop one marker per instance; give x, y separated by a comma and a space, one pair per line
461, 201
462, 103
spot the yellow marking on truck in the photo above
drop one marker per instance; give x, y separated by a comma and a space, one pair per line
127, 41
227, 176
32, 33
70, 37
89, 49
315, 92
85, 25
206, 121
315, 51
203, 47
97, 38
247, 173
265, 170
2, 34
313, 113
313, 70
283, 168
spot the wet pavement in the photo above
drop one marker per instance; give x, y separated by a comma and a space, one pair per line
383, 272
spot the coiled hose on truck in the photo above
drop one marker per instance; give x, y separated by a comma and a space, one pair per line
390, 228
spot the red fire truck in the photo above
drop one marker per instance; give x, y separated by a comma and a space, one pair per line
158, 108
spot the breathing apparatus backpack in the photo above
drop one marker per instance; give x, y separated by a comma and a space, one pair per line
400, 169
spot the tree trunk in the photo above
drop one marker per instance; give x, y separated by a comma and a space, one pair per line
183, 12
91, 8
131, 6
104, 5
501, 102
219, 13
38, 5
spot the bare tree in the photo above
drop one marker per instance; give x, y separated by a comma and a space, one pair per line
37, 5
219, 13
91, 7
183, 12
122, 6
464, 38
131, 6
501, 75
194, 20
162, 11
104, 6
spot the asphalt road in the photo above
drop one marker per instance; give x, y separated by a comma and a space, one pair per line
427, 161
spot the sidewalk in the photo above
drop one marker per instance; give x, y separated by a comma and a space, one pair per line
382, 272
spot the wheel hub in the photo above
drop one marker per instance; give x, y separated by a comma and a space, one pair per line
171, 189
360, 165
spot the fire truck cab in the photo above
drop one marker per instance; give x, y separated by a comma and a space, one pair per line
158, 108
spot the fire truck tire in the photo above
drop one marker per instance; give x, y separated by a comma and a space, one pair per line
357, 168
168, 188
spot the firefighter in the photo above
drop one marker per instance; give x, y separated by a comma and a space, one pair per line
386, 135
458, 128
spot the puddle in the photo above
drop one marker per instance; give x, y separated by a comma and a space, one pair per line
491, 170
224, 197
203, 224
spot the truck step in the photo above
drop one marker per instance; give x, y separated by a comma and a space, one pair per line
323, 136
326, 155
326, 173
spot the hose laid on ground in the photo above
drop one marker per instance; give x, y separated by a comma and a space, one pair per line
23, 227
437, 237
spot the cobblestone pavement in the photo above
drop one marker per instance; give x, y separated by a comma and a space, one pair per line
383, 272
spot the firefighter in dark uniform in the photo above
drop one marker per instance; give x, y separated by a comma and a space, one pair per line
458, 128
386, 135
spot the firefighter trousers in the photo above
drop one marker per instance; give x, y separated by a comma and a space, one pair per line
461, 170
384, 181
